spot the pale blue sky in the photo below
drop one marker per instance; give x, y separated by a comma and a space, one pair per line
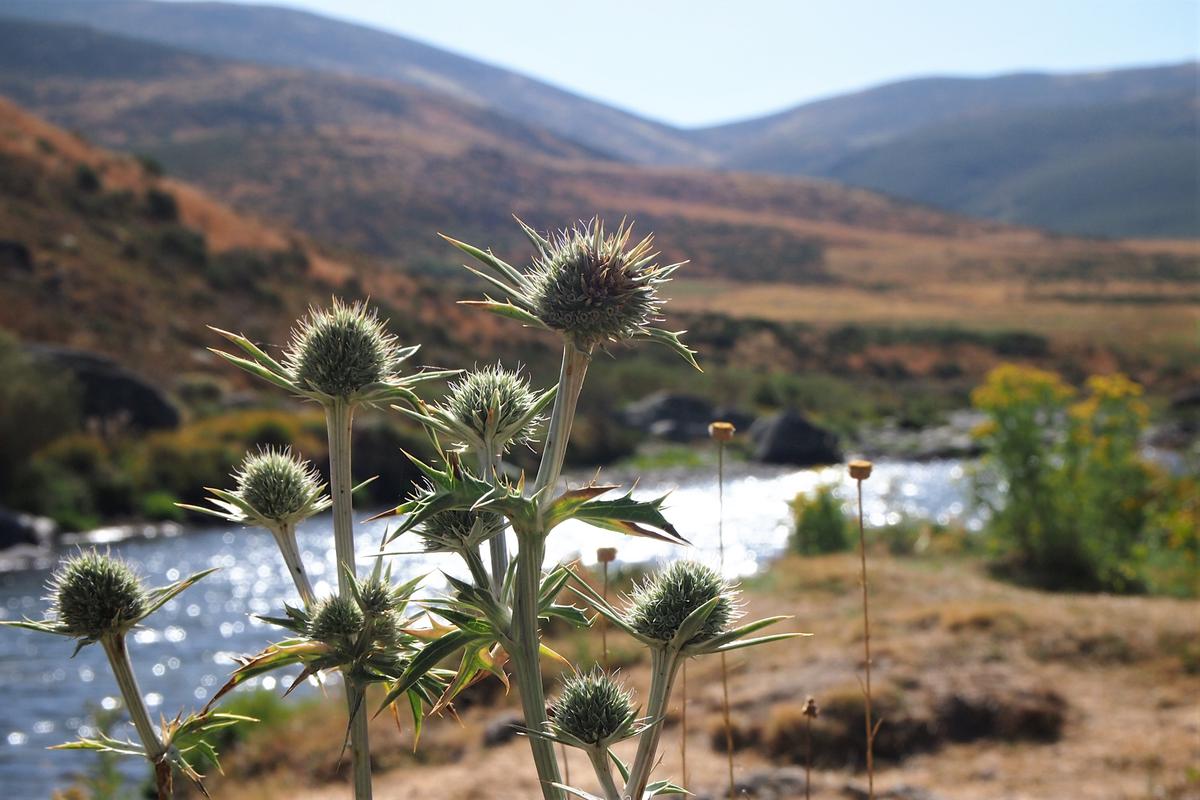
709, 61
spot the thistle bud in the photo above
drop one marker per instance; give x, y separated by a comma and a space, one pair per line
94, 594
593, 708
337, 351
585, 284
494, 402
721, 431
457, 531
375, 597
278, 486
860, 470
337, 622
659, 606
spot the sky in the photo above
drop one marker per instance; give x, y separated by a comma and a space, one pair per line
706, 61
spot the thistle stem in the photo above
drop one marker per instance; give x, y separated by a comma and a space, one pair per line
118, 656
603, 768
339, 418
562, 417
526, 658
664, 665
721, 569
285, 538
489, 463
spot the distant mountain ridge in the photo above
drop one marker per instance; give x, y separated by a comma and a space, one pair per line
1106, 153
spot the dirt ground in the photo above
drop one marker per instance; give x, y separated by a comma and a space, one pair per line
986, 691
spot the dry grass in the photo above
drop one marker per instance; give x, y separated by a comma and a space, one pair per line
1127, 726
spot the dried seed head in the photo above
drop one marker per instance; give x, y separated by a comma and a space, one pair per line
456, 531
493, 401
606, 555
94, 594
860, 470
337, 622
660, 605
593, 707
721, 431
588, 286
810, 708
278, 485
338, 350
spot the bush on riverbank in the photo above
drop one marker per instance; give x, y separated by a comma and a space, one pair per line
820, 524
1074, 504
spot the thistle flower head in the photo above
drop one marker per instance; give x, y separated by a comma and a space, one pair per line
659, 606
589, 285
93, 594
338, 351
278, 486
494, 404
457, 531
593, 708
337, 621
375, 597
593, 287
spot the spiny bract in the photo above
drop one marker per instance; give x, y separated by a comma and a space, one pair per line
588, 286
341, 349
592, 707
278, 485
454, 531
494, 392
660, 605
94, 594
337, 621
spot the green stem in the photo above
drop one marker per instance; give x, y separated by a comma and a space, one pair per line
339, 418
285, 537
489, 462
562, 417
118, 656
527, 662
603, 767
664, 665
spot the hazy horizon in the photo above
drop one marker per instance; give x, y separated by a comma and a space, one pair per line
768, 64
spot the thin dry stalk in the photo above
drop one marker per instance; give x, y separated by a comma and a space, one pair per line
683, 725
811, 712
605, 555
860, 471
722, 432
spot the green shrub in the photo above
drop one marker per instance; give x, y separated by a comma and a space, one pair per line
820, 523
1073, 504
161, 205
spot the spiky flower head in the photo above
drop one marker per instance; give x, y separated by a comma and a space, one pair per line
586, 283
340, 350
459, 531
375, 597
592, 286
337, 621
279, 486
494, 404
93, 594
593, 708
659, 606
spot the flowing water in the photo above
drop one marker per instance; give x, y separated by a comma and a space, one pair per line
182, 655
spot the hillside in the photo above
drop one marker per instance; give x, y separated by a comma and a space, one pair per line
99, 252
1109, 153
379, 167
1031, 149
287, 37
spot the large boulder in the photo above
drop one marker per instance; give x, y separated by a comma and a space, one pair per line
787, 437
25, 529
678, 417
111, 393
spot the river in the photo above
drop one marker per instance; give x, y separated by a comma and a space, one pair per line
183, 654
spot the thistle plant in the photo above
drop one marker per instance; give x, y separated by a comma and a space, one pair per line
95, 598
341, 357
274, 490
592, 288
